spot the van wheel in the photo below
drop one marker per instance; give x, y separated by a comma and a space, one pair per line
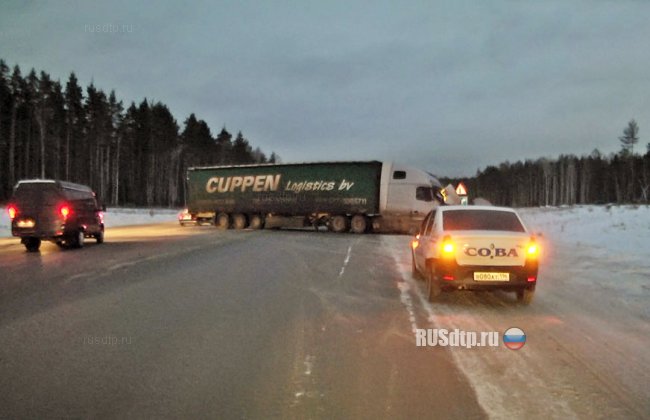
77, 239
339, 224
526, 295
222, 221
239, 221
359, 224
433, 286
99, 237
256, 221
32, 244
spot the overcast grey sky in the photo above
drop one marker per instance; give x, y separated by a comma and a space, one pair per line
446, 86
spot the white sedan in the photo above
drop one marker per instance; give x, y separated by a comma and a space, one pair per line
473, 248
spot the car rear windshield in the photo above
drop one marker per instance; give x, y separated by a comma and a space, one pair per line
37, 193
481, 220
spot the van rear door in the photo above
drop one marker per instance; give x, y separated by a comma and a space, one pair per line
37, 202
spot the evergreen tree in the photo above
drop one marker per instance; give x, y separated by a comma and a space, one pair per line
629, 138
75, 117
224, 146
17, 88
6, 100
241, 150
135, 157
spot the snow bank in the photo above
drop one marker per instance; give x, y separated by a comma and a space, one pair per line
112, 217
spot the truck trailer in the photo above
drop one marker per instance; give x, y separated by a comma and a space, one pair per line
344, 196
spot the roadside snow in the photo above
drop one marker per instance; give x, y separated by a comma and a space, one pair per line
112, 217
623, 230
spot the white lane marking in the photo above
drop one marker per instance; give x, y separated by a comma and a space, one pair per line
504, 381
346, 261
304, 383
309, 363
406, 300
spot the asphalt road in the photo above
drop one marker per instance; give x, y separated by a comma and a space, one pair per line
168, 322
163, 321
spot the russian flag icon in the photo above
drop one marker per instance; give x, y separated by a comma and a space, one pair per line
514, 338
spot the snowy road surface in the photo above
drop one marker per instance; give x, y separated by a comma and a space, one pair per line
163, 321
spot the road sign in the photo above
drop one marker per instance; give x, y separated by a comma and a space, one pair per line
461, 189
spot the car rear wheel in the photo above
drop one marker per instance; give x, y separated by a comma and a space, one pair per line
526, 295
414, 270
433, 286
32, 244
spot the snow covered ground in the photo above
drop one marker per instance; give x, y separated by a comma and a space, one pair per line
608, 230
112, 217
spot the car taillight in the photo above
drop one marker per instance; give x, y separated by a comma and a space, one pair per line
532, 250
448, 246
13, 211
64, 211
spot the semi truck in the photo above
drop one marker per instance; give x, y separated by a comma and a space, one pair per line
360, 196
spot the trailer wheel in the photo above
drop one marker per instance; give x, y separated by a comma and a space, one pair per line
339, 223
222, 221
256, 221
238, 221
359, 224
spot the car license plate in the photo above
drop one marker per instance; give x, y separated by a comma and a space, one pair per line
481, 276
26, 223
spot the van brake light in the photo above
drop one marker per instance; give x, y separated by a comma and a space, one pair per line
64, 211
13, 211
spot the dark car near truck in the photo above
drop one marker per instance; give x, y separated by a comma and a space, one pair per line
61, 212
